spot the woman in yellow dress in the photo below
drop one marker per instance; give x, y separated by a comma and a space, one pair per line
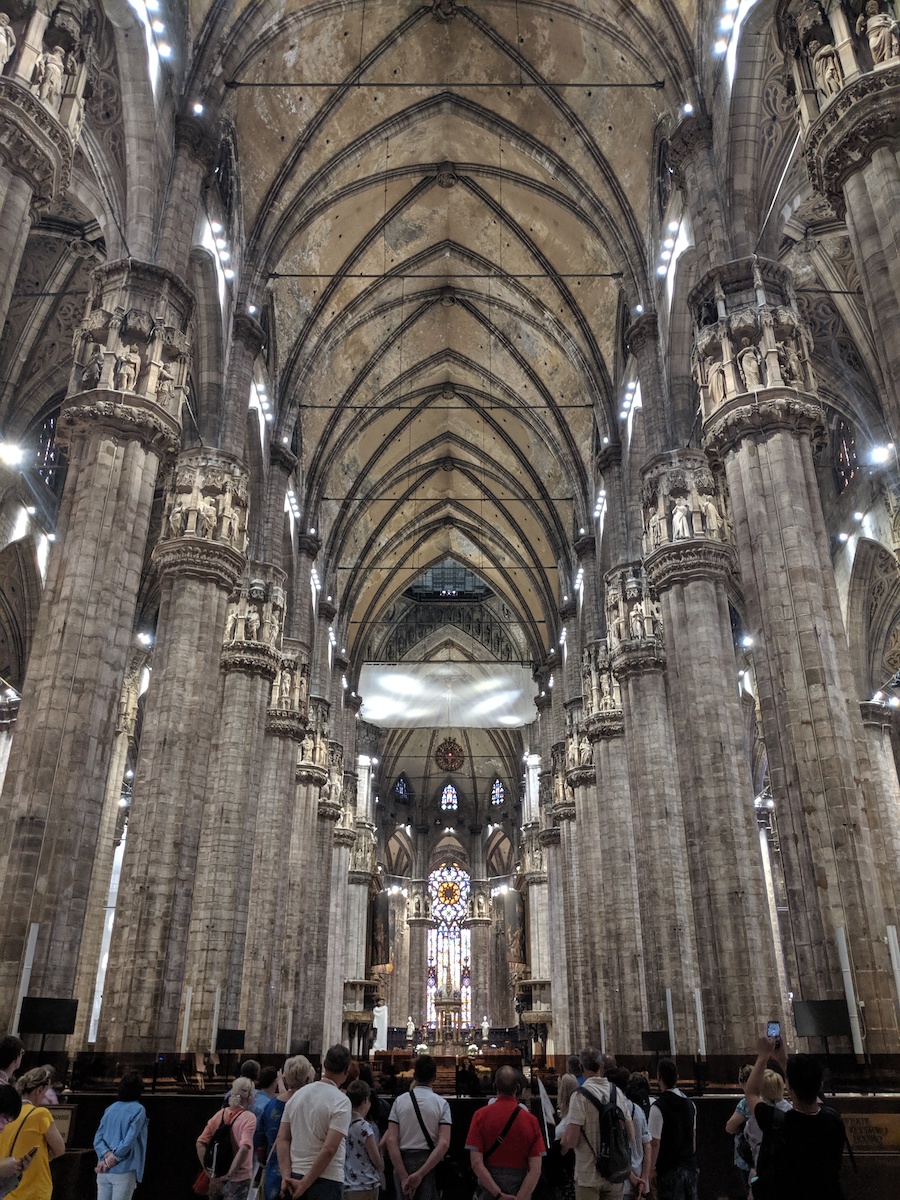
33, 1129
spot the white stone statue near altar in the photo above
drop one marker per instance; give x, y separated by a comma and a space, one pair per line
380, 1026
485, 1029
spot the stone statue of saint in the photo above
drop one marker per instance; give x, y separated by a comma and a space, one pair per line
881, 30
715, 381
410, 1029
176, 518
206, 523
50, 71
251, 625
128, 364
789, 361
93, 368
681, 521
750, 365
485, 1029
585, 757
636, 620
711, 518
826, 69
231, 625
307, 747
286, 686
165, 387
7, 40
655, 530
571, 752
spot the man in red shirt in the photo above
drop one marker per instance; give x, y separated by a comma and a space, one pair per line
506, 1144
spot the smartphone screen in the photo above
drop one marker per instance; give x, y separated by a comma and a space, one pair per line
773, 1030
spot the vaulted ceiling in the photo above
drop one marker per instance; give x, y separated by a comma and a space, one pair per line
444, 242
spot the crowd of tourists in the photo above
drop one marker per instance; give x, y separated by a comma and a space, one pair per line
284, 1134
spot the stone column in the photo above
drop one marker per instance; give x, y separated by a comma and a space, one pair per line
36, 155
851, 142
549, 840
118, 432
198, 561
878, 721
479, 925
111, 827
419, 922
339, 910
619, 943
264, 1005
638, 661
829, 815
689, 565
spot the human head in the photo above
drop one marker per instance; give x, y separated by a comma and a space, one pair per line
506, 1081
359, 1094
336, 1062
573, 1065
620, 1076
11, 1051
298, 1072
249, 1070
772, 1088
591, 1062
609, 1063
34, 1083
744, 1073
425, 1069
667, 1073
804, 1074
10, 1102
268, 1077
241, 1092
130, 1086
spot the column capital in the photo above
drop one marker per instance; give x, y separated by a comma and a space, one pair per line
682, 500
873, 712
353, 701
326, 610
585, 546
638, 658
642, 332
213, 561
285, 723
194, 136
121, 417
863, 116
603, 725
343, 836
608, 456
771, 412
581, 776
33, 143
282, 456
686, 561
549, 836
308, 544
331, 810
249, 331
690, 137
310, 773
252, 658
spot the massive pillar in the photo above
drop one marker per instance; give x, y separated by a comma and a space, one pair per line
198, 560
689, 562
419, 921
762, 421
120, 424
638, 661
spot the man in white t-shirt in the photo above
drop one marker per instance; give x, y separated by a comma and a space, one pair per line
310, 1142
582, 1130
413, 1158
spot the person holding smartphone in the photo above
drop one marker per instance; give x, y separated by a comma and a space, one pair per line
33, 1138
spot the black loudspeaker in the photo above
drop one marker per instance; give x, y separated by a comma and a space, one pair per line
655, 1041
822, 1018
229, 1039
41, 1014
300, 1047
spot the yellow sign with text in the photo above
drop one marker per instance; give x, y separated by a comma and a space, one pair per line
873, 1133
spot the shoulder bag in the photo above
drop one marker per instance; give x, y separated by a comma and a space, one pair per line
447, 1175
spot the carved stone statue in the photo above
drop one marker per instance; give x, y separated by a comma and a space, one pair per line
681, 520
251, 625
716, 381
826, 66
128, 365
307, 747
571, 752
881, 31
711, 518
286, 686
50, 71
636, 620
750, 365
206, 524
410, 1029
93, 368
176, 518
585, 756
165, 387
7, 40
789, 361
655, 530
485, 1029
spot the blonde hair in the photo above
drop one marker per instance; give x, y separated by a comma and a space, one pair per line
772, 1087
37, 1077
298, 1071
241, 1088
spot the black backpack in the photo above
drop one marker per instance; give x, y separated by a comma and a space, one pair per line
613, 1155
220, 1149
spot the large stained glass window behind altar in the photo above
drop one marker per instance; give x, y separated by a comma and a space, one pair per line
449, 943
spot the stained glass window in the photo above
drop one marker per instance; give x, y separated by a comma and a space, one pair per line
449, 799
449, 944
400, 788
497, 793
845, 460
